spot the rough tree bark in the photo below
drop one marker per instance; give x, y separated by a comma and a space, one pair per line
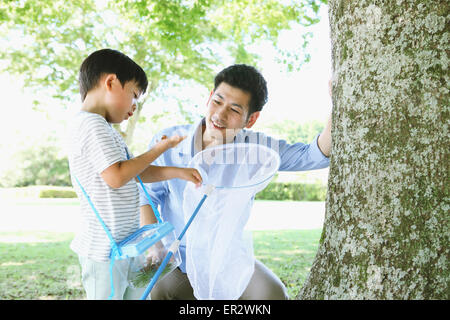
386, 230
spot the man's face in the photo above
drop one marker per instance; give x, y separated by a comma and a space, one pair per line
227, 114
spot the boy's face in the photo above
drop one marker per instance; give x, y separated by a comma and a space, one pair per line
227, 114
121, 101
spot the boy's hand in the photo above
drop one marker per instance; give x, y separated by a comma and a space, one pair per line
172, 141
190, 174
154, 256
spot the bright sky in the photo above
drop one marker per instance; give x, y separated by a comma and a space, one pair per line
301, 96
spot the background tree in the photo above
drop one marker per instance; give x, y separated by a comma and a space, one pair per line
173, 40
386, 231
39, 164
294, 132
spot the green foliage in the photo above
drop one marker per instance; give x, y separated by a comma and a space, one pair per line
293, 191
167, 38
57, 193
173, 40
38, 165
47, 40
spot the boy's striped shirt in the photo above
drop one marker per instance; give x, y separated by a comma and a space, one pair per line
94, 146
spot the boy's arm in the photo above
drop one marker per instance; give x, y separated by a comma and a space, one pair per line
147, 215
159, 173
121, 172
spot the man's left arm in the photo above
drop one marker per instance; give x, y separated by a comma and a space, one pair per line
324, 140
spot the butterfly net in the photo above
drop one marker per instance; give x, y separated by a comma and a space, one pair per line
219, 254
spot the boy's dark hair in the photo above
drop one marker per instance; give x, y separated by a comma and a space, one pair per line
109, 61
248, 79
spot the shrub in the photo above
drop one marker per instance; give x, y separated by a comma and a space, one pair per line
293, 191
57, 193
41, 164
34, 192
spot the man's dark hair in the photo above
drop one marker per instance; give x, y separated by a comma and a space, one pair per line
109, 61
248, 79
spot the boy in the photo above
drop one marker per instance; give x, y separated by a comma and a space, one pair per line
234, 105
110, 85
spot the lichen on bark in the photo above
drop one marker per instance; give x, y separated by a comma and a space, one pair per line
386, 230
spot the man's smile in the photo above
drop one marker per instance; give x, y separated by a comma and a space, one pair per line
217, 125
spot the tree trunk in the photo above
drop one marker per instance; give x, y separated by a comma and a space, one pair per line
131, 125
386, 230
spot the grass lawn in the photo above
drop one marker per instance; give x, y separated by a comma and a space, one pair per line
288, 253
40, 265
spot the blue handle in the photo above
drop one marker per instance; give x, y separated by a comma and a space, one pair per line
155, 210
156, 276
170, 253
192, 217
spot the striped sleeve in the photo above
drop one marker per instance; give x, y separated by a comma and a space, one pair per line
98, 145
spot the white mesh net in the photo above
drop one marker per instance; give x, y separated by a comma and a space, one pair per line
219, 255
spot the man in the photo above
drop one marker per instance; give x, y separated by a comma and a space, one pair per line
234, 105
